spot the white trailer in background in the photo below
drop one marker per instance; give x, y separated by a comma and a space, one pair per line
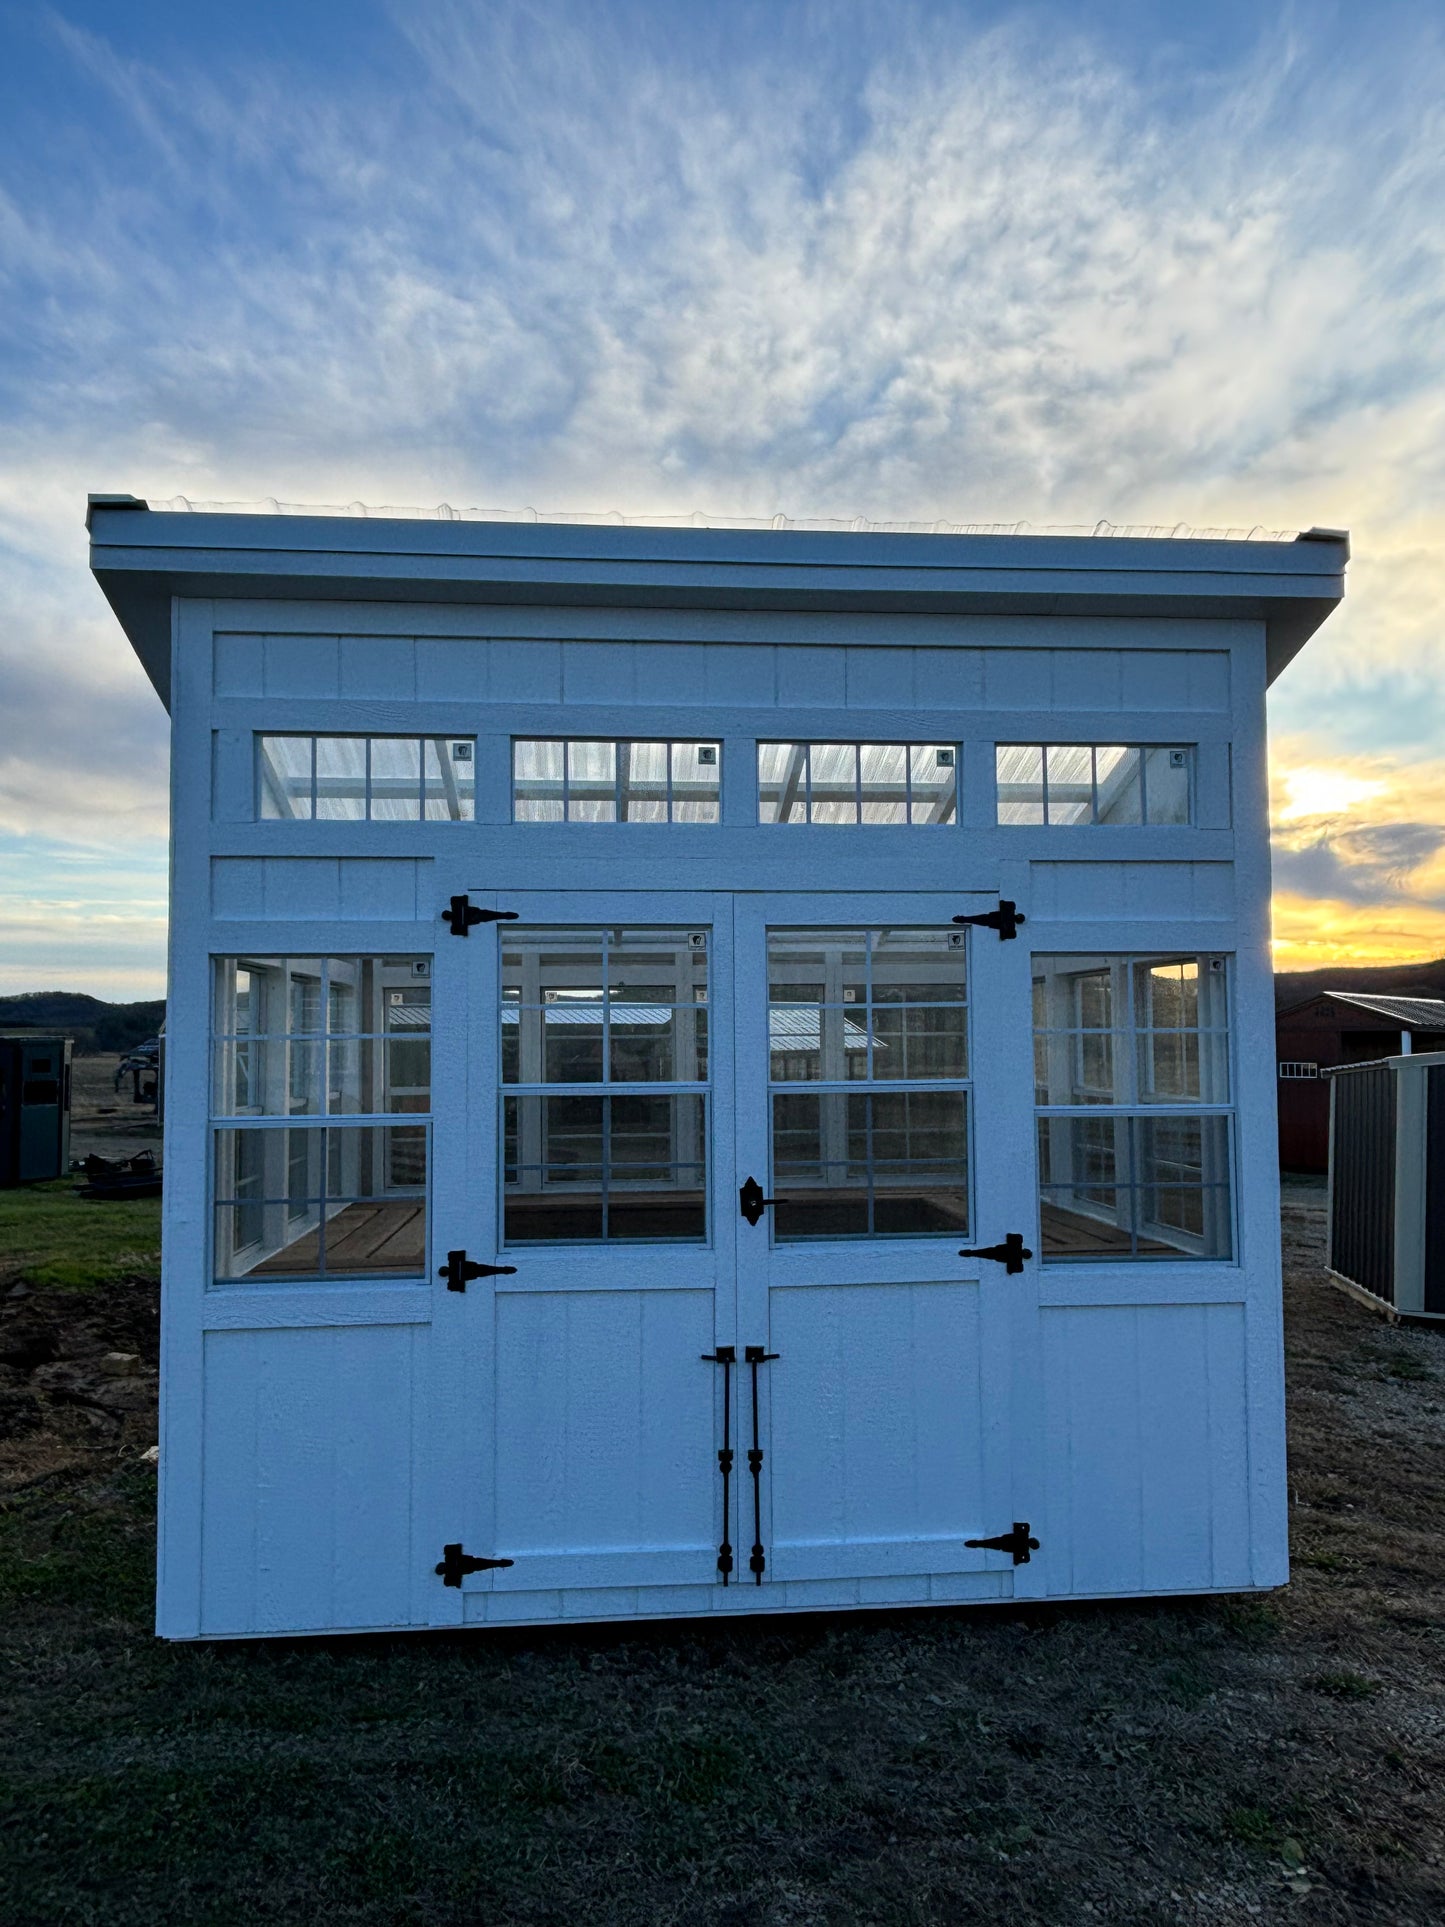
712, 1070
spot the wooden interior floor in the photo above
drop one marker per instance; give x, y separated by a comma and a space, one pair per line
1070, 1234
387, 1236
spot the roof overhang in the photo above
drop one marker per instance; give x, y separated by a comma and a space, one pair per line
143, 558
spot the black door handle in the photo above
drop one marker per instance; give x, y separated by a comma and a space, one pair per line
752, 1203
1010, 1254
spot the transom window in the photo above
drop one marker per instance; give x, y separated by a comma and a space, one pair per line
611, 781
914, 783
1132, 1087
376, 779
316, 1062
1073, 783
874, 1023
1292, 1070
604, 1068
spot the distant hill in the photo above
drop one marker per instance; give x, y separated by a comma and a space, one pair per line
91, 1021
1393, 980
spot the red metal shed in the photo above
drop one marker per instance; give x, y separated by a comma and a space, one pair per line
1339, 1027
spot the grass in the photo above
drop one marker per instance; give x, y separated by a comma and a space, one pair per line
55, 1240
1172, 1763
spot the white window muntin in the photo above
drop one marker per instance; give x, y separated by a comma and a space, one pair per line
1114, 1082
859, 782
342, 778
582, 779
1096, 785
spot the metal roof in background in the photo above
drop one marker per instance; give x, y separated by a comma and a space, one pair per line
1411, 1013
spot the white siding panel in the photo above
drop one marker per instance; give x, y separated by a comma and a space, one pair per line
1093, 892
302, 666
875, 1416
1018, 678
308, 1479
605, 1428
947, 678
525, 672
448, 671
1146, 1448
1208, 679
811, 677
382, 666
879, 678
1092, 679
239, 666
742, 674
314, 888
599, 672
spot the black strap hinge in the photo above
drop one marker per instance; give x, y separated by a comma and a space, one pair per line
1016, 1542
1006, 919
1010, 1254
456, 1564
459, 1271
464, 915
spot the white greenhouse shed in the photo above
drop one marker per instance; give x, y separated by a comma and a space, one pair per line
712, 1069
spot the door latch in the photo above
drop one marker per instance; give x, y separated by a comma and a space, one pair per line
1010, 1254
464, 915
1017, 1542
459, 1271
752, 1203
456, 1564
1006, 919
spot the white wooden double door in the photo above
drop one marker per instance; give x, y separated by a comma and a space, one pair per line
600, 1420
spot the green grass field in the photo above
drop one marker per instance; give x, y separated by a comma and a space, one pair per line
1224, 1761
53, 1239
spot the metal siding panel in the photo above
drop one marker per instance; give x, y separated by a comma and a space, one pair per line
1435, 1190
1362, 1203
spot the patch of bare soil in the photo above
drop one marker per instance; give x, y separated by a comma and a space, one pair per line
78, 1371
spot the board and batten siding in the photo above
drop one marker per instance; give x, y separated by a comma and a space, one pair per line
317, 1441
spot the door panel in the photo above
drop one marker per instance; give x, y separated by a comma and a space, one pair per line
877, 1462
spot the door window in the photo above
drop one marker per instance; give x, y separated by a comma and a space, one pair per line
868, 1082
604, 1065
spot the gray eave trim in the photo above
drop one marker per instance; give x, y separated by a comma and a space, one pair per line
142, 560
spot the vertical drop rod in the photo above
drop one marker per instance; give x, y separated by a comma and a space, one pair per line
756, 1355
725, 1356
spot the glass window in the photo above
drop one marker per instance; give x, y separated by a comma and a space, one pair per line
1060, 784
605, 781
856, 783
355, 779
604, 1064
1131, 1073
868, 1047
315, 1060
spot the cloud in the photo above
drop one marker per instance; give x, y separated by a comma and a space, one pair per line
833, 260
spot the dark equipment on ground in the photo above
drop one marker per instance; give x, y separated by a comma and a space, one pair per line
137, 1177
142, 1065
34, 1107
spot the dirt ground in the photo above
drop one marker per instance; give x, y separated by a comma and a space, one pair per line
1190, 1763
104, 1120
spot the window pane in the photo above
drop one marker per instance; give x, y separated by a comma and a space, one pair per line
1069, 770
1166, 785
592, 782
587, 1006
320, 1202
285, 776
604, 1169
696, 777
1120, 797
642, 782
341, 778
1135, 1187
833, 782
396, 779
538, 781
782, 783
934, 772
884, 775
1020, 776
449, 772
859, 1164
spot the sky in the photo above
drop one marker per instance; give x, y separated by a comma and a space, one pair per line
991, 263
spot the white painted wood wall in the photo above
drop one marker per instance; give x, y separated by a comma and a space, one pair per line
320, 1444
